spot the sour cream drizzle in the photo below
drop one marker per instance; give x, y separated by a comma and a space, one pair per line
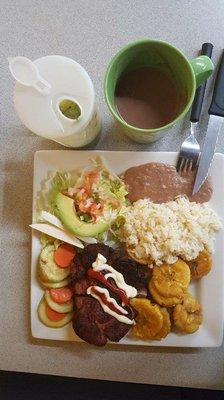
119, 317
101, 265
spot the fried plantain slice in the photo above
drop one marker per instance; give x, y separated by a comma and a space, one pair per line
170, 279
140, 260
169, 283
149, 320
187, 316
162, 300
201, 266
166, 327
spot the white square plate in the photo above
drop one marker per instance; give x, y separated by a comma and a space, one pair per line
209, 291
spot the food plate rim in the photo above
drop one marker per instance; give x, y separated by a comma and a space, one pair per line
66, 333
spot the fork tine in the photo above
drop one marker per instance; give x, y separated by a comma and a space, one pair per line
179, 164
189, 154
194, 164
190, 165
185, 164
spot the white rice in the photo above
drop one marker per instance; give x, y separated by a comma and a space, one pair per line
164, 232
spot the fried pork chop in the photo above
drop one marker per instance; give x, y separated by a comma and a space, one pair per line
90, 322
95, 326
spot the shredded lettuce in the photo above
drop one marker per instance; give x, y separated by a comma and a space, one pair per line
100, 164
57, 182
108, 238
109, 187
109, 191
62, 181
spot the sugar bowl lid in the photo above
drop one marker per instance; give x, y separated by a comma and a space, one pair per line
53, 96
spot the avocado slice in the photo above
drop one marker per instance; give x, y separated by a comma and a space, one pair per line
67, 214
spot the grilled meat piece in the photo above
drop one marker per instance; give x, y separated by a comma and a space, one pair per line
90, 322
116, 330
80, 287
83, 261
91, 251
78, 269
135, 274
95, 326
87, 319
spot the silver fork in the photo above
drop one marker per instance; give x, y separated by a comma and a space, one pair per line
190, 150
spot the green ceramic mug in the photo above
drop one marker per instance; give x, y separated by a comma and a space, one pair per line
187, 75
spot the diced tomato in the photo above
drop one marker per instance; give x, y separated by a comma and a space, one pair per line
91, 177
61, 295
84, 201
82, 207
64, 255
96, 210
85, 206
82, 194
53, 315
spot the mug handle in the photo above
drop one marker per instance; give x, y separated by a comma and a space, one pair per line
202, 67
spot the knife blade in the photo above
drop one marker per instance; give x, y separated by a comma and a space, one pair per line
216, 112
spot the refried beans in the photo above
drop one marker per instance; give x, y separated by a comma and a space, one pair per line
161, 183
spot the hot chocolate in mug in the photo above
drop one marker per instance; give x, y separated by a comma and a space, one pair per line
150, 85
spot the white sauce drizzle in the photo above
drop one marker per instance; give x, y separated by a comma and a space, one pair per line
108, 298
105, 308
101, 265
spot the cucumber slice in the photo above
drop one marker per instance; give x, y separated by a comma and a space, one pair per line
54, 285
60, 308
48, 269
46, 321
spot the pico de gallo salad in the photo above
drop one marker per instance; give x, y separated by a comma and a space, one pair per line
97, 192
84, 204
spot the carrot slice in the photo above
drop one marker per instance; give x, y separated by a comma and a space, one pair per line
54, 315
64, 255
61, 295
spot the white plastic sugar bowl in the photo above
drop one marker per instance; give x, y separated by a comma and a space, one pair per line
54, 98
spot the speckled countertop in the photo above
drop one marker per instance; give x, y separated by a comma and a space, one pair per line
91, 32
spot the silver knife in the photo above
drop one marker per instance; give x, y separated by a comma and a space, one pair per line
216, 112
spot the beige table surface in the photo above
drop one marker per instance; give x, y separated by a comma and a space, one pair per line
89, 31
